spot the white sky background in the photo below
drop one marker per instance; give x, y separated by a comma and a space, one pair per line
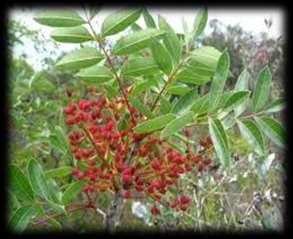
251, 20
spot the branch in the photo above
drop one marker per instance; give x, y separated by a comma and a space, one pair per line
53, 216
88, 134
169, 80
119, 80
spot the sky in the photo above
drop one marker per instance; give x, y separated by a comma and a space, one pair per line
251, 20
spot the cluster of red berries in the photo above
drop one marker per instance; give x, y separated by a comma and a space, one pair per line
181, 202
120, 160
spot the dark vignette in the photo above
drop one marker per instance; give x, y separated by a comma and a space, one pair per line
183, 4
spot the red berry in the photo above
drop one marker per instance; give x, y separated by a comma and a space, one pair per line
101, 101
155, 210
156, 165
207, 161
127, 171
184, 199
143, 152
104, 176
69, 109
196, 158
188, 166
183, 207
139, 187
70, 120
109, 125
126, 194
137, 137
75, 171
80, 175
200, 166
174, 203
150, 189
126, 178
155, 183
209, 141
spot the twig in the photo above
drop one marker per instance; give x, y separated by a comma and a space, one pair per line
53, 216
112, 68
88, 134
169, 80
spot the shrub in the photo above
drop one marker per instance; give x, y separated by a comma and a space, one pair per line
129, 137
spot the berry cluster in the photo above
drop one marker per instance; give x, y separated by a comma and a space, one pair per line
116, 159
180, 202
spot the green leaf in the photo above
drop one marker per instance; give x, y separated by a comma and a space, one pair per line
19, 184
13, 202
177, 124
37, 179
21, 218
220, 141
148, 19
93, 11
139, 87
228, 120
95, 74
41, 83
139, 66
170, 39
161, 56
71, 191
135, 27
57, 207
185, 102
262, 89
54, 224
54, 143
54, 191
219, 80
58, 140
165, 105
241, 84
187, 35
207, 56
224, 98
62, 138
71, 35
252, 134
80, 58
136, 41
272, 129
111, 89
199, 23
201, 105
119, 20
201, 66
236, 99
154, 124
141, 107
275, 106
177, 89
58, 172
59, 18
